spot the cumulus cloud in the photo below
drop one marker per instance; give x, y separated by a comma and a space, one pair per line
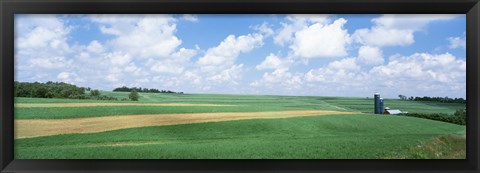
432, 74
69, 77
443, 68
296, 22
370, 55
119, 58
384, 37
264, 29
280, 80
458, 42
226, 53
395, 30
41, 46
230, 75
322, 41
340, 72
274, 62
175, 64
144, 50
148, 36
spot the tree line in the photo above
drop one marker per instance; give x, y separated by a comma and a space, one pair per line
459, 117
57, 90
434, 99
143, 90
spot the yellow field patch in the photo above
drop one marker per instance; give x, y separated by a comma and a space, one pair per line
49, 105
44, 127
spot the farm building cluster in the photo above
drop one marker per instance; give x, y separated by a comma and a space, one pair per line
380, 109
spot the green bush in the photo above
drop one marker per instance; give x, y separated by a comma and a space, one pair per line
459, 117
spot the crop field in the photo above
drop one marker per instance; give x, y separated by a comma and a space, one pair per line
216, 126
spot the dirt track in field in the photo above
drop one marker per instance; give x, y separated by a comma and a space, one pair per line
36, 128
51, 105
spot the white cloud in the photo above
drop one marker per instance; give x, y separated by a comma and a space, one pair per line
176, 64
458, 42
118, 58
408, 21
144, 51
395, 30
264, 29
444, 68
63, 76
342, 72
148, 36
69, 77
295, 23
384, 37
225, 54
192, 78
41, 43
344, 64
370, 55
273, 62
322, 41
50, 62
190, 17
279, 79
95, 47
41, 32
231, 75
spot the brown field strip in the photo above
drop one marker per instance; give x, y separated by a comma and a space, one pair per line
51, 105
44, 127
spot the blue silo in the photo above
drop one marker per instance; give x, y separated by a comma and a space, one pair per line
377, 103
381, 109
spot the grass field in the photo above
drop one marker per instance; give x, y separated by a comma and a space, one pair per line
214, 126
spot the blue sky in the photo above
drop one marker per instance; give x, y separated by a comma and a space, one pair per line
328, 55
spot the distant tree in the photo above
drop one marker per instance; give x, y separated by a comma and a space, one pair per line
133, 95
95, 93
402, 97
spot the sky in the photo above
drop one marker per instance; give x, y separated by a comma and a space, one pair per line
319, 55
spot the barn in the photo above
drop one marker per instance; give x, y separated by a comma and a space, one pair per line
392, 111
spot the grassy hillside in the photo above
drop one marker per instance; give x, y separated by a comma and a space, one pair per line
359, 136
326, 137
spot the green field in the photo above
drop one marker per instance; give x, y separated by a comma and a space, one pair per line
354, 136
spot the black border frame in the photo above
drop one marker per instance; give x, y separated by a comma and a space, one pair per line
8, 8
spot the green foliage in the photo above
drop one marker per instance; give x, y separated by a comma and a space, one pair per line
402, 97
95, 93
133, 95
48, 90
459, 117
439, 99
143, 90
56, 90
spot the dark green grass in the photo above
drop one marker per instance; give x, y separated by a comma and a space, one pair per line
80, 112
317, 137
